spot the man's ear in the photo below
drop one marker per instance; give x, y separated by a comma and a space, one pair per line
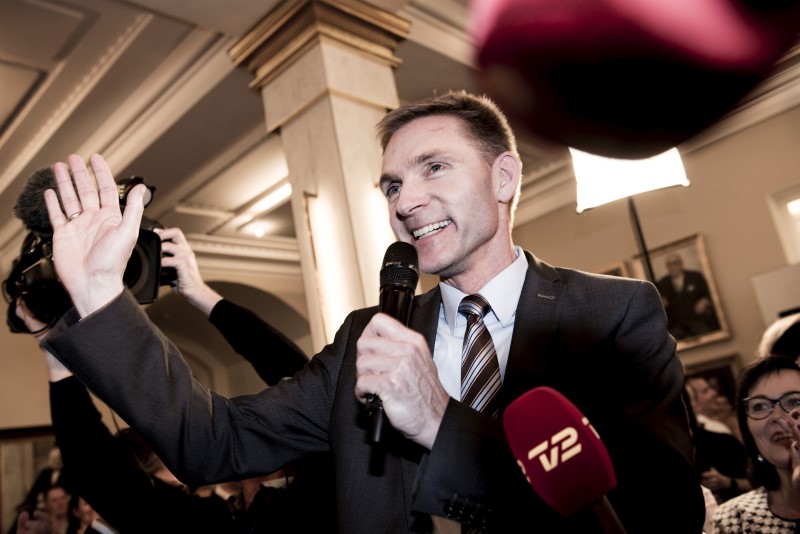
507, 170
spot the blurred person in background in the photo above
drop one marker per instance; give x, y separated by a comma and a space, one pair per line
768, 407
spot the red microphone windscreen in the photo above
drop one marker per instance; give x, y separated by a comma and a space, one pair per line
558, 450
626, 78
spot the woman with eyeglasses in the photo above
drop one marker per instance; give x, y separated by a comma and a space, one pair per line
768, 409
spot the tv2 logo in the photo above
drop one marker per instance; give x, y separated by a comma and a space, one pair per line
561, 446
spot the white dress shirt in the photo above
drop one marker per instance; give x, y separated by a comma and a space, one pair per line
502, 293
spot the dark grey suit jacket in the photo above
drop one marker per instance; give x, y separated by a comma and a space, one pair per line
601, 341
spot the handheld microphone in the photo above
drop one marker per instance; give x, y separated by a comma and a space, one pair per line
561, 455
399, 276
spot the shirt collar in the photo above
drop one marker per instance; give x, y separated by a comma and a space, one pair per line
502, 293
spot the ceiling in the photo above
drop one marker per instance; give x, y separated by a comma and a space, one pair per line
150, 85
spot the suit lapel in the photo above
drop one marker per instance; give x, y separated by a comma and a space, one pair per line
425, 315
537, 317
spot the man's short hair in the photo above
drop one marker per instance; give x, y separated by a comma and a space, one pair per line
482, 119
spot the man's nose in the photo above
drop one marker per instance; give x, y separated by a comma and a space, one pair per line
412, 197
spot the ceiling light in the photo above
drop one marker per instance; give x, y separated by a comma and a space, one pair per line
258, 228
249, 220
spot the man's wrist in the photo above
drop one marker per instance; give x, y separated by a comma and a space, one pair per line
95, 297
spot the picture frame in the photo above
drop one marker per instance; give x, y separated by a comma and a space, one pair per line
695, 315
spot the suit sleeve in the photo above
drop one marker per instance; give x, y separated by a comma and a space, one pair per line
649, 438
201, 436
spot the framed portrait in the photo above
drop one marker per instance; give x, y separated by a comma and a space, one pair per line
684, 279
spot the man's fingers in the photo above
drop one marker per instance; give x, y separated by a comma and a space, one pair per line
386, 326
66, 190
84, 186
107, 187
57, 217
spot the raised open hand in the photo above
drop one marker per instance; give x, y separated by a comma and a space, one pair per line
92, 239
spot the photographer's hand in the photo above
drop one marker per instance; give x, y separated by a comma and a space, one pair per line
92, 239
180, 256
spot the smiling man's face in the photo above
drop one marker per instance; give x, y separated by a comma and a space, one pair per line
442, 195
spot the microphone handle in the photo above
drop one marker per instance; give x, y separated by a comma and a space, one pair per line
607, 516
395, 300
377, 418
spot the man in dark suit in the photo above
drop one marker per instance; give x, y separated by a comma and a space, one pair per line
687, 300
451, 175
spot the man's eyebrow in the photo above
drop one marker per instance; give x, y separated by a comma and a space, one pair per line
421, 159
424, 158
388, 178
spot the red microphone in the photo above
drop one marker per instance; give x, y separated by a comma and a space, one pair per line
626, 78
561, 455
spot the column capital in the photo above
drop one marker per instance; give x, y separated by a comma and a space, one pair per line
294, 26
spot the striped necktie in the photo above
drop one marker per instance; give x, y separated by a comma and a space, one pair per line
480, 370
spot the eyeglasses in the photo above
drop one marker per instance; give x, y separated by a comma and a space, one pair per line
760, 407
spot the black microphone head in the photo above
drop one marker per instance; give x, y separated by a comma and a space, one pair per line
30, 207
400, 265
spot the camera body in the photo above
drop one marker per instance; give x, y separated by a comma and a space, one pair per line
33, 275
143, 273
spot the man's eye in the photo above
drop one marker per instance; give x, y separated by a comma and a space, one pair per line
436, 167
392, 191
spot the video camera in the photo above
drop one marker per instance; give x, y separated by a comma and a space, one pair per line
33, 275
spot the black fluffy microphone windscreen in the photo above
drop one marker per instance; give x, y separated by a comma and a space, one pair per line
30, 207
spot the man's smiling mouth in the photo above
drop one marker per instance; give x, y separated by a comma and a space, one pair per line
431, 229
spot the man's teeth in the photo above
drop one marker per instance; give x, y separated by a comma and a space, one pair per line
431, 228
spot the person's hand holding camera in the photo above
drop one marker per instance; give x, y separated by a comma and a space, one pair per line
190, 285
92, 238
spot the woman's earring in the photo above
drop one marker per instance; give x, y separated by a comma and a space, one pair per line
760, 458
